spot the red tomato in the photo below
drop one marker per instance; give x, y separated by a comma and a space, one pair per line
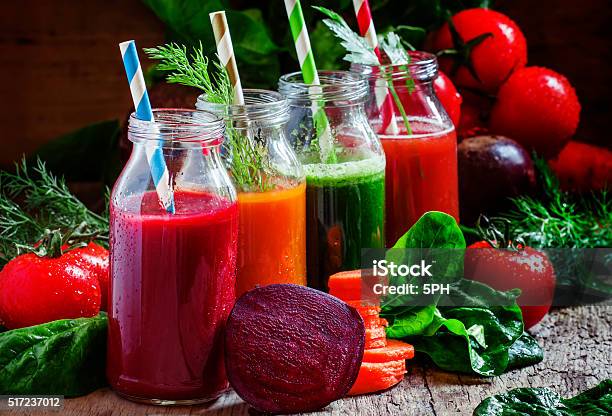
35, 290
538, 108
488, 47
95, 258
448, 96
504, 269
583, 167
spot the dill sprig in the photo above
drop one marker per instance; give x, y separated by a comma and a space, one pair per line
560, 219
192, 70
247, 159
33, 201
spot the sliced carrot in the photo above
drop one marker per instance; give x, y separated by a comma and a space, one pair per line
346, 285
366, 308
354, 285
375, 333
376, 343
372, 321
395, 350
378, 376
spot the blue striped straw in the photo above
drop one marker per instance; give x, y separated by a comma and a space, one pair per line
155, 156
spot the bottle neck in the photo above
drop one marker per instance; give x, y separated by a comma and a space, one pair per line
261, 109
177, 129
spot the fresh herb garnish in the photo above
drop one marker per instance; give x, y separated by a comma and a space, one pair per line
246, 156
193, 71
559, 219
359, 52
45, 204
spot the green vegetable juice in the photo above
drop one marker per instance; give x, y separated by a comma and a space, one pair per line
345, 205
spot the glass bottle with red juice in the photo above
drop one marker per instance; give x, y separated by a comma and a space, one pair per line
172, 274
421, 150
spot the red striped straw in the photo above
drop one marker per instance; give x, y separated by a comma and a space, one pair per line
384, 101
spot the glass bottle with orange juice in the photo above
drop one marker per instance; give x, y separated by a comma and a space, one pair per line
271, 190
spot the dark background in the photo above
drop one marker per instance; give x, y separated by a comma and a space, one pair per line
61, 68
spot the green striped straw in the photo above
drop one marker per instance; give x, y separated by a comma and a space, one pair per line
311, 77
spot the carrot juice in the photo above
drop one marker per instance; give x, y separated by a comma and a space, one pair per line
271, 237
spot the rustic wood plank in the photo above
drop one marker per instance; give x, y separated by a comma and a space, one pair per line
578, 352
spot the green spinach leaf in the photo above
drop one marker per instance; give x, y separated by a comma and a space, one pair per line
474, 329
524, 352
542, 401
476, 335
64, 357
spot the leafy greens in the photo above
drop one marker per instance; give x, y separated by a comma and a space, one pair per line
474, 329
542, 401
65, 357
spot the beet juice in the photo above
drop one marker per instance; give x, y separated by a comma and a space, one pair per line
420, 142
172, 273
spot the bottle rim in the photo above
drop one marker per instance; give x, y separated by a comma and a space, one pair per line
422, 66
336, 88
265, 107
171, 126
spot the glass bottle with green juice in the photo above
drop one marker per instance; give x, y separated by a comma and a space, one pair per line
345, 170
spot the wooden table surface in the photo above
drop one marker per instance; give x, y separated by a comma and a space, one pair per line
578, 351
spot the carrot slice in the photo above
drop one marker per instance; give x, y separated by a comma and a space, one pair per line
376, 343
354, 285
363, 308
378, 376
375, 333
345, 285
374, 321
395, 350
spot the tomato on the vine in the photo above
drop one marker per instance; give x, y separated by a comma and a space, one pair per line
480, 48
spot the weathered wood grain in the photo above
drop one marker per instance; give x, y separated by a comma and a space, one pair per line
578, 352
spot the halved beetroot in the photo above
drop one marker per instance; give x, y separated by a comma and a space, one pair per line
395, 350
291, 349
378, 376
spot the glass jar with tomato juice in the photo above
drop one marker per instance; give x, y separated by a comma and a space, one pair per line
345, 170
419, 141
172, 274
271, 190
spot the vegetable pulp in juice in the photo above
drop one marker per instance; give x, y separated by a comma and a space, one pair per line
344, 213
271, 238
172, 288
421, 176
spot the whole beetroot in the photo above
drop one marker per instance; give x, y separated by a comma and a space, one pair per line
491, 170
291, 349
